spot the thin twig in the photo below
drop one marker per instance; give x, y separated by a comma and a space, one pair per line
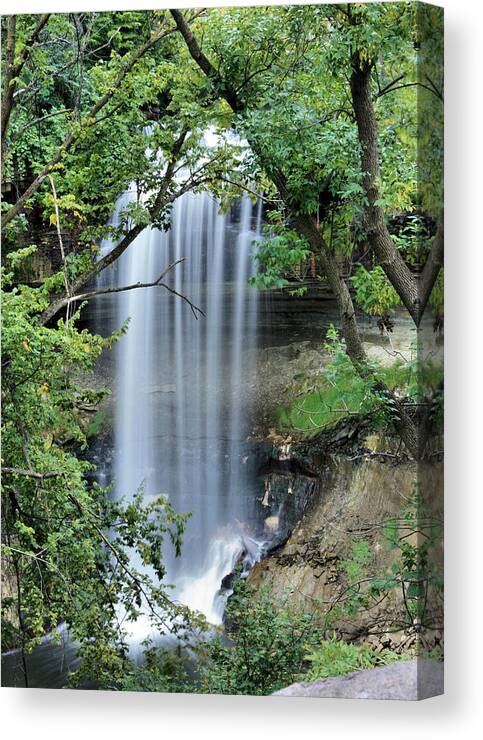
59, 235
35, 122
156, 283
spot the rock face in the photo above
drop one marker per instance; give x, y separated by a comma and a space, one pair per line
353, 502
409, 681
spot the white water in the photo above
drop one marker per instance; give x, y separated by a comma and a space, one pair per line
181, 415
202, 592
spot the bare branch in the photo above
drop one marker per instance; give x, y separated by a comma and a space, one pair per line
156, 283
194, 308
389, 86
410, 84
245, 188
33, 473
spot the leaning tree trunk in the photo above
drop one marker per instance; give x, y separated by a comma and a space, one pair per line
404, 424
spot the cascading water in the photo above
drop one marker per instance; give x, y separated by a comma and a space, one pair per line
181, 405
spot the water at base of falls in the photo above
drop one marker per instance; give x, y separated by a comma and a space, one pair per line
208, 591
184, 387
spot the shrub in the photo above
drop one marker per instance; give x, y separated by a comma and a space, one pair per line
336, 658
266, 646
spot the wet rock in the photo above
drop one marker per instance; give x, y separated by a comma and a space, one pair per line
271, 524
291, 487
228, 581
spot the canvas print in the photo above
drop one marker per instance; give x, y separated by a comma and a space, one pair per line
222, 350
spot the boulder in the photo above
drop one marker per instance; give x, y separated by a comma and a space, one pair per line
409, 681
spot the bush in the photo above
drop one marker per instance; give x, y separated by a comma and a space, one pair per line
162, 671
266, 646
336, 658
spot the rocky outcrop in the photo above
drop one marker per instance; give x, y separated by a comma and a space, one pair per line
409, 681
355, 498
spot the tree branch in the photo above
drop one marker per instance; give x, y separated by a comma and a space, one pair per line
73, 134
32, 473
13, 70
132, 575
35, 122
156, 283
245, 188
204, 63
307, 227
161, 200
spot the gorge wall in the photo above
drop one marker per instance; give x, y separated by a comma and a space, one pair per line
353, 501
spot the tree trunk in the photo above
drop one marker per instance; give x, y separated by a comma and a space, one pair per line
388, 256
414, 293
306, 225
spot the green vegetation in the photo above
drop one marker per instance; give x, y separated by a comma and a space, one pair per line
336, 658
374, 293
341, 393
413, 572
337, 111
66, 542
266, 646
266, 649
415, 538
279, 257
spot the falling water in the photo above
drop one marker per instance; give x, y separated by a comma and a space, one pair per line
182, 416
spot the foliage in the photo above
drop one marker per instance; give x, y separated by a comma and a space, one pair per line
132, 139
67, 543
162, 670
436, 299
414, 538
266, 646
412, 541
341, 393
336, 658
280, 256
374, 293
413, 240
289, 66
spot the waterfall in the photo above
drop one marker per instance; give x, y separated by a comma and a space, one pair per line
182, 396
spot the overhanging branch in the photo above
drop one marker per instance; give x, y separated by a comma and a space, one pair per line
158, 283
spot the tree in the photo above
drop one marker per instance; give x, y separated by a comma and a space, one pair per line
266, 89
79, 92
85, 116
66, 544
